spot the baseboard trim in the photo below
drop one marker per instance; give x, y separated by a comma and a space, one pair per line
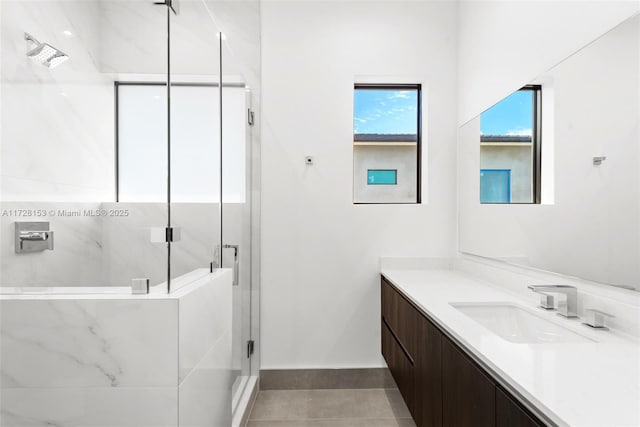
324, 379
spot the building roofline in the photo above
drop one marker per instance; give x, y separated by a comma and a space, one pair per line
385, 137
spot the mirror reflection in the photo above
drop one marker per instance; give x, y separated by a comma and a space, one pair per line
559, 182
509, 142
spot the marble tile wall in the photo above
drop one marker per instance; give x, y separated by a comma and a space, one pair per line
78, 241
132, 45
89, 407
112, 249
57, 124
88, 362
110, 361
128, 251
205, 354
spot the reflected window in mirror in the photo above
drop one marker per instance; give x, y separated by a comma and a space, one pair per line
510, 147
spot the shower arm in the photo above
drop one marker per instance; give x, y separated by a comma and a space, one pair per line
28, 37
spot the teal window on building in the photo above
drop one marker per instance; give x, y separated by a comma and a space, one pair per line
382, 177
495, 186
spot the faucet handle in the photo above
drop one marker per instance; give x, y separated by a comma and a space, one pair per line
547, 301
595, 318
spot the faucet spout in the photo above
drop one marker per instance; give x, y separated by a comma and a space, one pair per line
566, 308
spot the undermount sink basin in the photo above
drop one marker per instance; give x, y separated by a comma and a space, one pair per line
518, 325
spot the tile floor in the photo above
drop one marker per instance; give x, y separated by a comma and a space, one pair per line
377, 407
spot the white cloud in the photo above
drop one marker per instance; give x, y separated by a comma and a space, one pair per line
400, 94
519, 132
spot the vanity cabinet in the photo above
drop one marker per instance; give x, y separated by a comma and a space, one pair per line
400, 366
428, 374
440, 383
398, 342
468, 395
509, 413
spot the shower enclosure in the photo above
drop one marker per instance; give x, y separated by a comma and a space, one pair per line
129, 168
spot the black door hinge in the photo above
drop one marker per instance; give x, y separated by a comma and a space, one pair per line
250, 347
172, 234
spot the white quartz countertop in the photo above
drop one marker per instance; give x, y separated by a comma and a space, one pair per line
572, 384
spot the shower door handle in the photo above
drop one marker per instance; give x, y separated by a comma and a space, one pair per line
236, 262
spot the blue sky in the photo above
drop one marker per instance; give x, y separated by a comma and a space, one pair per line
385, 111
511, 116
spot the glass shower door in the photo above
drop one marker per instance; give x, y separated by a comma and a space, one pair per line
194, 163
69, 167
237, 208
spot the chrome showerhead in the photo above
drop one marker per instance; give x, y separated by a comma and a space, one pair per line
44, 53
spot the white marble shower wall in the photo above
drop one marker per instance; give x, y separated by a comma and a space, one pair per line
57, 124
112, 249
128, 252
112, 361
78, 245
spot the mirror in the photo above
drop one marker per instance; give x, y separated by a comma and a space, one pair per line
586, 219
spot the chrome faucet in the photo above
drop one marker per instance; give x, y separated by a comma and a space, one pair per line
566, 308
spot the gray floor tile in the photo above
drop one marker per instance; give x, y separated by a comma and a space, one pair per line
353, 422
329, 405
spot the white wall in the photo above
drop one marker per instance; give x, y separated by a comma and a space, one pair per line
505, 44
320, 282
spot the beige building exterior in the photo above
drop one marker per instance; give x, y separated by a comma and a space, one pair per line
396, 152
513, 153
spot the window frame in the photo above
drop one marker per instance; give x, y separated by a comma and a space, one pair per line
401, 86
536, 139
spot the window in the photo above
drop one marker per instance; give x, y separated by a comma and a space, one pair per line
495, 186
386, 143
141, 145
382, 177
510, 149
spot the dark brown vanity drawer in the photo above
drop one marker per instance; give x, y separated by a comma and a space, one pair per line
468, 395
400, 316
510, 414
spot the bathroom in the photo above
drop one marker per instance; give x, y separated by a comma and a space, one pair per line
207, 221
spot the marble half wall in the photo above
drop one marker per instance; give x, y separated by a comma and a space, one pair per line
205, 356
118, 360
